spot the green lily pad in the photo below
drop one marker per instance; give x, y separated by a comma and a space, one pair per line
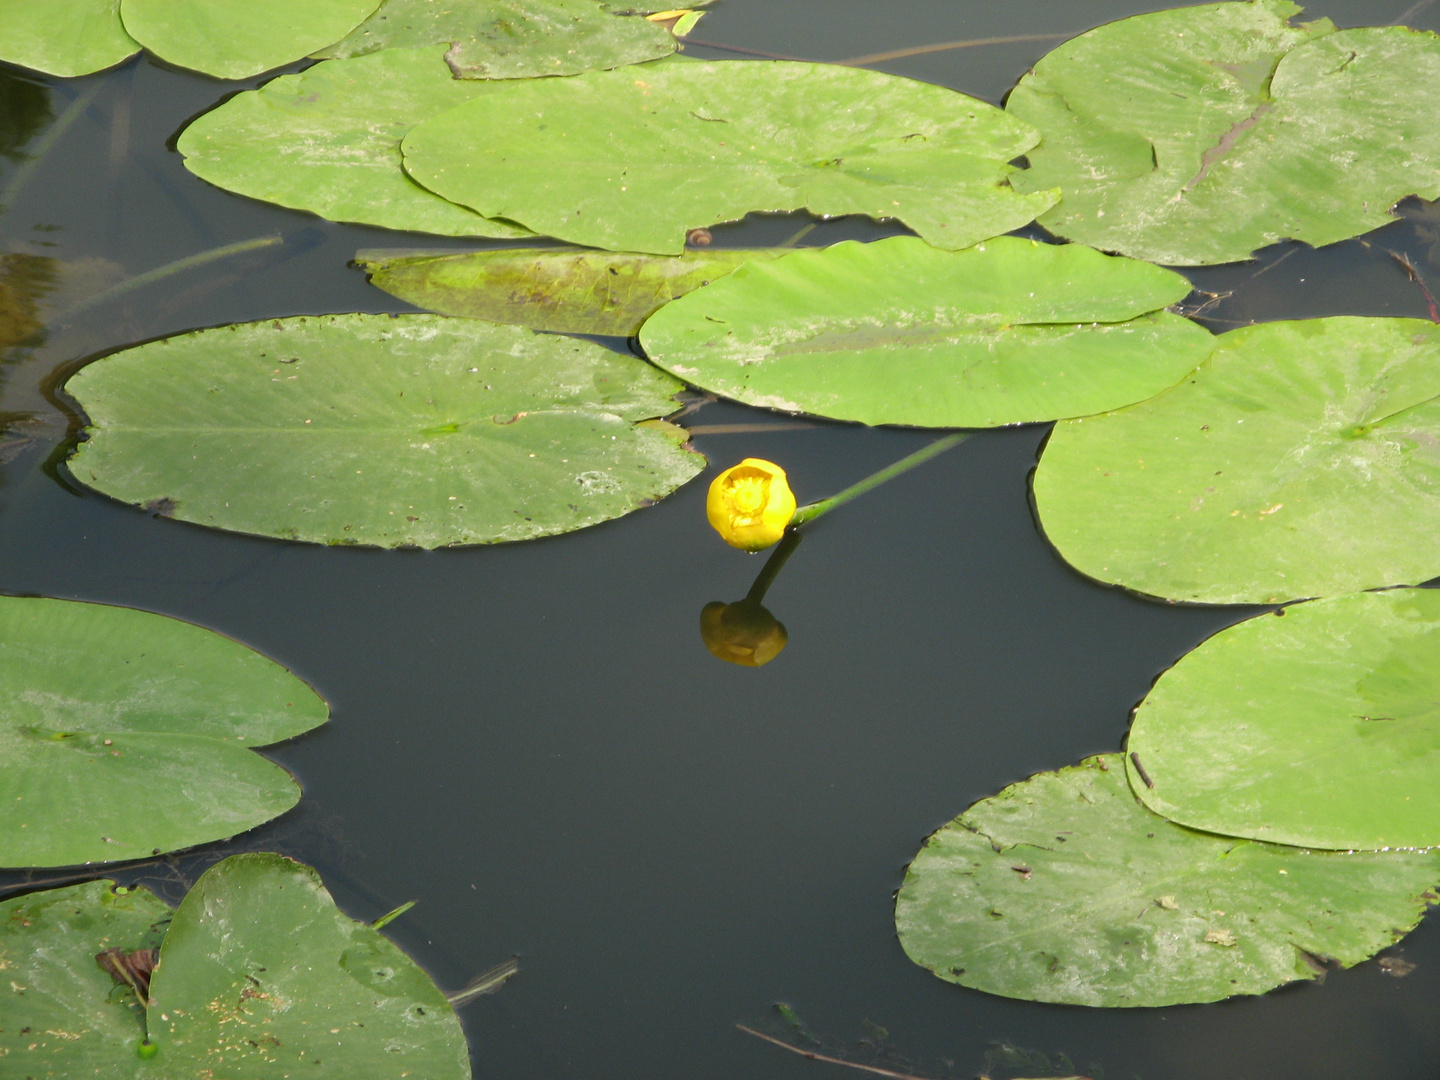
686, 144
511, 39
126, 733
259, 973
412, 430
899, 332
61, 1016
234, 39
1300, 460
1321, 728
1063, 888
1200, 134
64, 37
563, 290
328, 141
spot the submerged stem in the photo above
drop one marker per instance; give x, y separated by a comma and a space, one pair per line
179, 266
806, 514
73, 112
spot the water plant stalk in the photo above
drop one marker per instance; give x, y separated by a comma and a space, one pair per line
46, 142
807, 514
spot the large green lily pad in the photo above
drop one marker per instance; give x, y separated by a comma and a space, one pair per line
1320, 728
1063, 888
328, 141
1200, 134
124, 733
259, 974
1302, 459
61, 1016
686, 144
563, 290
64, 37
511, 39
899, 332
375, 429
234, 39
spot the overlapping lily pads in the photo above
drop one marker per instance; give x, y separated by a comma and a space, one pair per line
125, 733
1320, 728
1063, 888
511, 39
328, 140
1302, 459
564, 290
64, 37
686, 144
1200, 134
372, 429
899, 332
259, 972
234, 39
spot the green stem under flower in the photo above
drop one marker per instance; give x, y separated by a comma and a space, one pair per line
806, 514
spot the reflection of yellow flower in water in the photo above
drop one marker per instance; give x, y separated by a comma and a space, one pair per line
743, 632
750, 504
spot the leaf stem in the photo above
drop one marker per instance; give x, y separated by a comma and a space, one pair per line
179, 266
73, 112
806, 514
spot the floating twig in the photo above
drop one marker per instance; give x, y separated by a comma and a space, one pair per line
813, 1056
487, 982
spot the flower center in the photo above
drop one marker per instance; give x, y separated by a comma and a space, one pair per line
748, 496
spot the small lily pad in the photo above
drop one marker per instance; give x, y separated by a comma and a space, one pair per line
234, 39
126, 734
258, 972
511, 39
1301, 459
64, 37
412, 430
687, 144
1320, 728
1063, 888
563, 290
327, 140
1200, 134
899, 332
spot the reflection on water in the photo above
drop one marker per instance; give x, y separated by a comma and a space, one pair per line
24, 110
24, 280
745, 632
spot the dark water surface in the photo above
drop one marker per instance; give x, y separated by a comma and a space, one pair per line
531, 740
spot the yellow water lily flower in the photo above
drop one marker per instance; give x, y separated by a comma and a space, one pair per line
742, 633
750, 504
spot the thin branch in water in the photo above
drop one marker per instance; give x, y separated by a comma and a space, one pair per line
813, 1056
945, 46
47, 142
487, 982
741, 50
1414, 275
746, 429
1409, 13
1271, 265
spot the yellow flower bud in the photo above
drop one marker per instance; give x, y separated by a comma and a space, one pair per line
750, 504
743, 632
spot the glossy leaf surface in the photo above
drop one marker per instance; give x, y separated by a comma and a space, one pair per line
511, 39
373, 429
1302, 459
563, 290
234, 39
899, 332
327, 140
259, 974
260, 967
60, 1014
1200, 134
687, 144
1063, 888
124, 732
64, 37
1320, 727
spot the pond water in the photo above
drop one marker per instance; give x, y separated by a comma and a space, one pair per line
531, 740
